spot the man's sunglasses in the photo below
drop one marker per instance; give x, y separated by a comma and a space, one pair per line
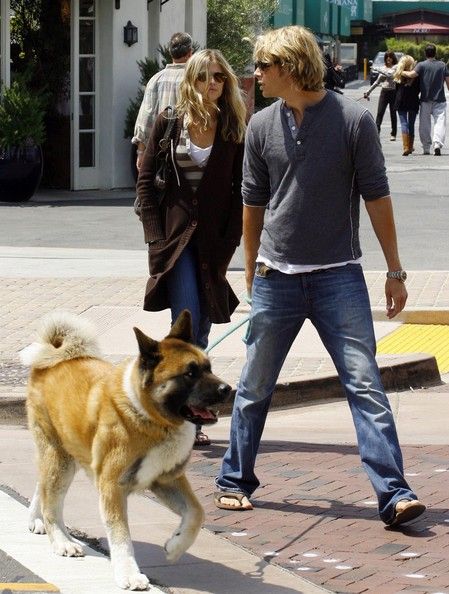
262, 66
219, 77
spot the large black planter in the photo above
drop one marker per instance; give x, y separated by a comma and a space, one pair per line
20, 173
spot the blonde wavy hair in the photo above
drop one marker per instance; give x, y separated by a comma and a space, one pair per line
295, 49
197, 109
406, 63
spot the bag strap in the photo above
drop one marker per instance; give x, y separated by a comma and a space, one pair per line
164, 143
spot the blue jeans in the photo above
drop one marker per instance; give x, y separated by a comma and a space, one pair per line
337, 303
184, 292
407, 119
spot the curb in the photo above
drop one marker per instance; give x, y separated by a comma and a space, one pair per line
436, 315
398, 373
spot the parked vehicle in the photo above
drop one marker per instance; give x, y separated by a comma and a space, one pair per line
378, 62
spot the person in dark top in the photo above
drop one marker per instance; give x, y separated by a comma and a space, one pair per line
334, 78
309, 158
432, 75
194, 231
407, 102
387, 92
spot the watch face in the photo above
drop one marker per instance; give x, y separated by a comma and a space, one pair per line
403, 275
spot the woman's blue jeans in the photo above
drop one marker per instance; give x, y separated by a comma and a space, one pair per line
184, 292
407, 119
337, 303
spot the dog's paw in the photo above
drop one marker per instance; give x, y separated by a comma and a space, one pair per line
134, 581
36, 526
176, 546
68, 548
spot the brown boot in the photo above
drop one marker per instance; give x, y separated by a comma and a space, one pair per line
406, 144
410, 144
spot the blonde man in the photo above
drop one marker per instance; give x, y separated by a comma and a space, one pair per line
308, 159
432, 75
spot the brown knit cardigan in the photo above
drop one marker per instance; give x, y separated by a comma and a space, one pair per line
211, 218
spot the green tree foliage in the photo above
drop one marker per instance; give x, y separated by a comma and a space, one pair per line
233, 24
40, 42
416, 49
21, 117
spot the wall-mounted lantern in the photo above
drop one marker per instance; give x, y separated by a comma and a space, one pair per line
130, 34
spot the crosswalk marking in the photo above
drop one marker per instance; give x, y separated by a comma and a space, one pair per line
92, 573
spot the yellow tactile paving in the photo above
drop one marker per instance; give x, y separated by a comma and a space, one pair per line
418, 338
27, 587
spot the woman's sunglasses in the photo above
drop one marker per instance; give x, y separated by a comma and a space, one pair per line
219, 77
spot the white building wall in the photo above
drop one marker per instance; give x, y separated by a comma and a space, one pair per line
4, 42
119, 81
120, 73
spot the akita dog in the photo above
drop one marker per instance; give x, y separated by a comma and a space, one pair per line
131, 427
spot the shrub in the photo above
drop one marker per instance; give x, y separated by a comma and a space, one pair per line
21, 117
147, 68
416, 49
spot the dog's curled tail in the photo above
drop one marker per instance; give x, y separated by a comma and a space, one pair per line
61, 336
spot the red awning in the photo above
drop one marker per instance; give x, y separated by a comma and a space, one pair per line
422, 28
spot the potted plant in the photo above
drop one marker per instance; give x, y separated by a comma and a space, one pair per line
21, 134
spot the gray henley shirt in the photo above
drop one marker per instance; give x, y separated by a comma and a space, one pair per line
311, 182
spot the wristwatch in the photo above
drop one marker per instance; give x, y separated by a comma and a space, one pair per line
399, 275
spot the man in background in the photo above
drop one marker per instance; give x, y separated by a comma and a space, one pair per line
161, 91
432, 75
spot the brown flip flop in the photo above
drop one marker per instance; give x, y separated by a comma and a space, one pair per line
232, 495
407, 510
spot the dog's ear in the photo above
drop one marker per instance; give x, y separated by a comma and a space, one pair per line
149, 348
182, 328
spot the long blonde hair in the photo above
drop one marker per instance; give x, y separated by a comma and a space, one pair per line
197, 109
406, 63
295, 49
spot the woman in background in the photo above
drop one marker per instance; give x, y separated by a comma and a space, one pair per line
387, 95
407, 102
192, 235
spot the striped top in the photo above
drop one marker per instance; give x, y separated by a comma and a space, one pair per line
193, 172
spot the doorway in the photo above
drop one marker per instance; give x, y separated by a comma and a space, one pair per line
85, 100
40, 52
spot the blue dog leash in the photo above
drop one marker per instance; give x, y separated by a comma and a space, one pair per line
230, 330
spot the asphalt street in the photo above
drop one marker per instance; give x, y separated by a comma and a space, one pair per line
96, 220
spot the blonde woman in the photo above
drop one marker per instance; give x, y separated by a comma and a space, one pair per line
407, 102
194, 232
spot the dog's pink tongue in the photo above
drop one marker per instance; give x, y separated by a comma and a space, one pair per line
203, 413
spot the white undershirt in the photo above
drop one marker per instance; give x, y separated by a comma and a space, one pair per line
286, 268
199, 155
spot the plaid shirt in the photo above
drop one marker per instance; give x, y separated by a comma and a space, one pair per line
160, 92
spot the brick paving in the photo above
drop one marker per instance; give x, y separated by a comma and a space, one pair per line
315, 514
24, 300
